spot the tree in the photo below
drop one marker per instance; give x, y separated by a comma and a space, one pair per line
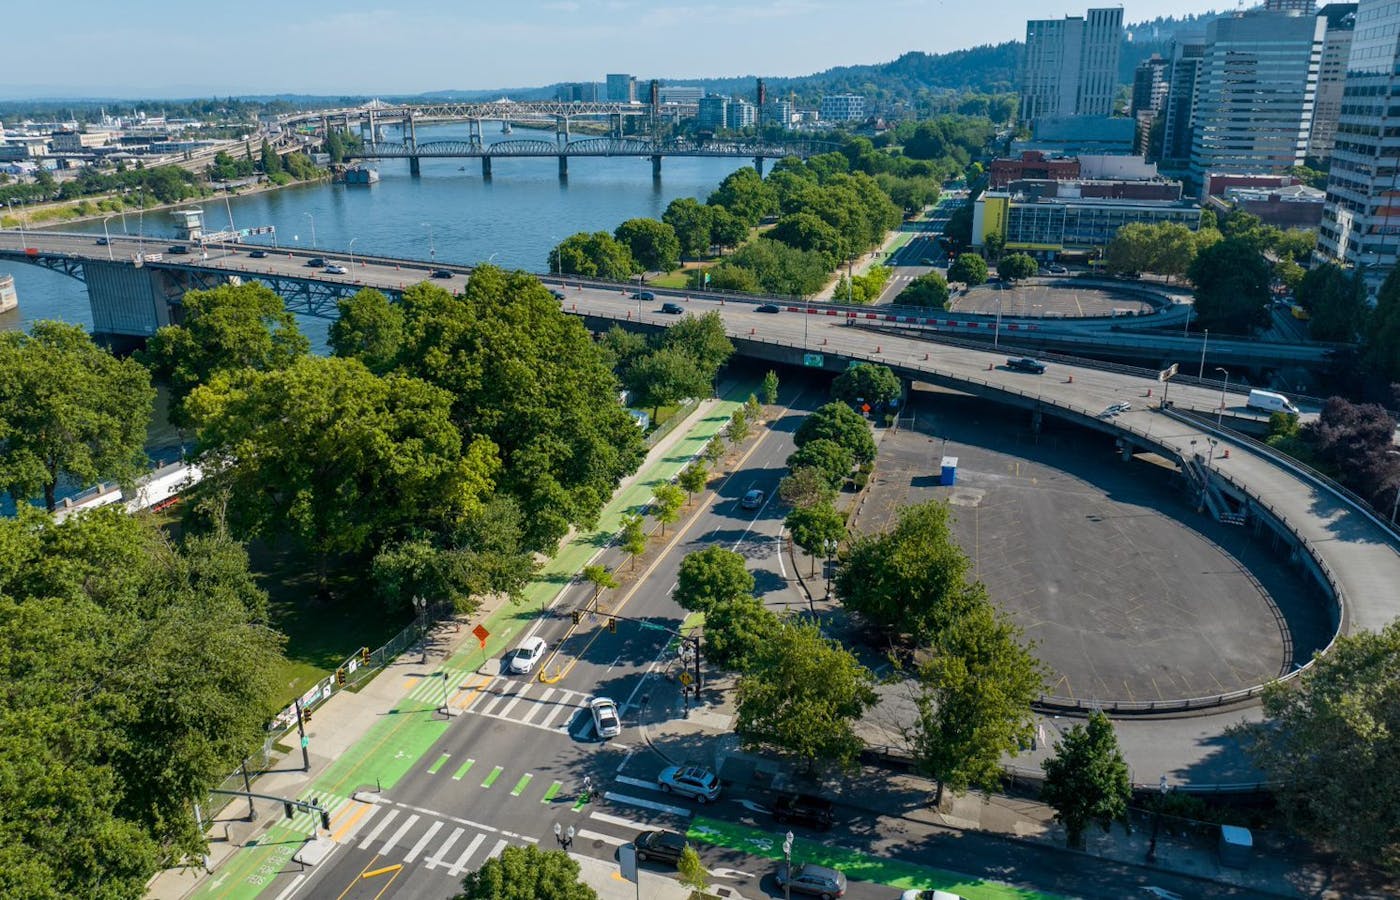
711, 576
744, 193
969, 269
653, 244
666, 376
726, 229
1086, 781
704, 339
714, 450
1289, 273
753, 410
867, 383
691, 223
1356, 440
736, 631
910, 579
806, 231
634, 537
69, 410
1130, 250
1017, 266
667, 504
1382, 344
806, 487
737, 431
1328, 740
798, 678
1336, 300
1174, 248
770, 388
369, 329
600, 578
527, 873
833, 461
692, 871
625, 347
595, 255
693, 479
839, 423
1232, 286
229, 328
815, 529
419, 568
930, 290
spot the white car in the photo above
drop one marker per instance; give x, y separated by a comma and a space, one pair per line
917, 894
530, 651
335, 270
605, 717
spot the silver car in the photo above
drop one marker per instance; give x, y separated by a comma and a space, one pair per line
818, 881
695, 782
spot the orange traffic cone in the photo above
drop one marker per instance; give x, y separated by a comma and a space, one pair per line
1071, 380
1227, 453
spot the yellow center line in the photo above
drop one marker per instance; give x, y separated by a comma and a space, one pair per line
350, 823
474, 690
358, 877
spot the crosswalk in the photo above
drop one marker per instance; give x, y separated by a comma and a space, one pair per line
520, 699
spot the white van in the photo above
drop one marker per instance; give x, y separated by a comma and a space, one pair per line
1268, 401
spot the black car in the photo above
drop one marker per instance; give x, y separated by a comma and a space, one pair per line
804, 809
441, 273
663, 846
257, 254
1026, 364
672, 309
556, 293
768, 308
644, 295
316, 262
177, 249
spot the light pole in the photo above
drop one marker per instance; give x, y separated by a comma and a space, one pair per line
1220, 413
787, 861
422, 606
996, 333
313, 229
432, 249
1157, 819
351, 251
106, 236
829, 545
1205, 339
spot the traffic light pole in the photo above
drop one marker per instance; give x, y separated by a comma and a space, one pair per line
301, 733
312, 805
692, 640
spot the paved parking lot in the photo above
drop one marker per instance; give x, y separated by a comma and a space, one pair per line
1128, 592
1047, 297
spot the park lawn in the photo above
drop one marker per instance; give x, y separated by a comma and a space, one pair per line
676, 280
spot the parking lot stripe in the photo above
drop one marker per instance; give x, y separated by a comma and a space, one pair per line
618, 820
599, 836
636, 782
491, 779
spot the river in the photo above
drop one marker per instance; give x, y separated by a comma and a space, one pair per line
512, 220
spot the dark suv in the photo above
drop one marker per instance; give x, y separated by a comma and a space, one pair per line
315, 262
804, 809
663, 846
1026, 364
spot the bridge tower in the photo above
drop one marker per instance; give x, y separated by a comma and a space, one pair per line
410, 137
561, 140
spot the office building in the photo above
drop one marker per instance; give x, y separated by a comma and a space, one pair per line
1074, 135
1305, 7
1070, 65
1361, 215
578, 92
843, 108
1255, 93
779, 113
1068, 222
1150, 82
1031, 164
1339, 22
712, 113
740, 114
1178, 115
621, 89
680, 93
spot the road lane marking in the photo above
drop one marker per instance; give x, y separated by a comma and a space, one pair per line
538, 705
637, 782
466, 855
291, 889
522, 784
441, 761
403, 830
347, 826
491, 779
489, 829
625, 759
383, 823
599, 836
519, 695
437, 859
496, 850
553, 789
422, 842
474, 691
648, 804
618, 820
466, 766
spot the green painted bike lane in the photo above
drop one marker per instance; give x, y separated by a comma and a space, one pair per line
399, 741
858, 866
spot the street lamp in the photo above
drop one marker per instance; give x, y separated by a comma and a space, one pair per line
1157, 819
432, 250
313, 229
829, 545
787, 861
996, 334
1205, 339
351, 251
106, 236
1220, 413
421, 606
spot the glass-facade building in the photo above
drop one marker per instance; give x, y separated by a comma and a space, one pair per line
1056, 224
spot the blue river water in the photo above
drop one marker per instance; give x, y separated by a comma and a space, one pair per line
449, 213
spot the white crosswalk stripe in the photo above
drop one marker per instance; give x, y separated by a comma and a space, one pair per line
440, 857
496, 850
398, 835
423, 842
383, 823
550, 709
466, 855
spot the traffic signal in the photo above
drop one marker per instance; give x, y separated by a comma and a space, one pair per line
305, 716
340, 676
576, 616
287, 808
325, 820
364, 656
612, 626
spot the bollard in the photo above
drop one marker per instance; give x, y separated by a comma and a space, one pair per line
751, 331
877, 348
925, 357
989, 367
1071, 380
1149, 392
629, 313
1227, 453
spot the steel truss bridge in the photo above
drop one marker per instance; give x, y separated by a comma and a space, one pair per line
606, 146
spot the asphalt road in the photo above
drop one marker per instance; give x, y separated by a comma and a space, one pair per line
923, 253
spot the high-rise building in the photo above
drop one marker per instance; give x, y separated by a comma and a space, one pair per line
621, 88
578, 92
1361, 218
740, 114
1340, 20
1300, 6
713, 112
1255, 93
778, 112
1149, 96
1178, 117
843, 107
1070, 66
680, 93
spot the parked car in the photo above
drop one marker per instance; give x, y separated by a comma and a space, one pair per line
663, 846
752, 499
695, 782
1026, 364
315, 262
441, 273
258, 254
672, 309
804, 809
177, 249
530, 651
644, 295
768, 308
916, 894
334, 269
816, 881
605, 718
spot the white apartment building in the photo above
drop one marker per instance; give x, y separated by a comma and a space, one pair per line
1070, 66
843, 108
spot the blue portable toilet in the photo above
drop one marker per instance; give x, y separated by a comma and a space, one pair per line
1236, 846
949, 475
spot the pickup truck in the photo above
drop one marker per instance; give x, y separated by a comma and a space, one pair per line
1026, 364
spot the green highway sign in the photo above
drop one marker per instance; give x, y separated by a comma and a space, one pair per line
815, 360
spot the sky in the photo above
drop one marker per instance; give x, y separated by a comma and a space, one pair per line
143, 48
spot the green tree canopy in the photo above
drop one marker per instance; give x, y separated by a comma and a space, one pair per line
1086, 781
816, 528
68, 410
691, 221
666, 376
1329, 741
969, 269
1336, 300
805, 231
1382, 344
232, 327
744, 193
866, 382
726, 229
527, 873
711, 576
1130, 249
799, 679
703, 338
594, 255
369, 329
839, 423
806, 487
829, 458
652, 244
1017, 266
1232, 286
929, 289
770, 388
735, 632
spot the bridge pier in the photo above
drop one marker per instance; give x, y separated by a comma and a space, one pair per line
1036, 418
656, 167
563, 167
758, 164
486, 168
413, 167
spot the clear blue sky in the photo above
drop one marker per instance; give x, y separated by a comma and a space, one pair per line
178, 48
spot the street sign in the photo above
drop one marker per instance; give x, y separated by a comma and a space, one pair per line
686, 679
865, 408
627, 858
305, 742
1166, 373
481, 635
814, 360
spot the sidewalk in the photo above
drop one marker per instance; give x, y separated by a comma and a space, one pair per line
348, 733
